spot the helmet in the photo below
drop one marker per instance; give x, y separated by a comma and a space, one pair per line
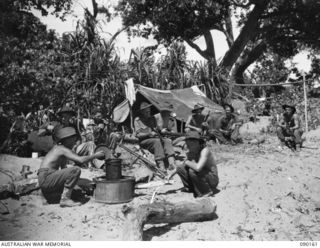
64, 132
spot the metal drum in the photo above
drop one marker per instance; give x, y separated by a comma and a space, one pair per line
114, 191
113, 169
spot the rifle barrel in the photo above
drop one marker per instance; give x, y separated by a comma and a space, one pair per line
182, 135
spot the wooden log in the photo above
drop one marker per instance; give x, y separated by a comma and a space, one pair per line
202, 209
25, 186
17, 188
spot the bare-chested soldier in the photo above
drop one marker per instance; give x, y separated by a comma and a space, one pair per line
54, 176
198, 173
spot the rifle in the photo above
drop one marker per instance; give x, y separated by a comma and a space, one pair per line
149, 164
159, 135
174, 135
207, 116
177, 135
205, 128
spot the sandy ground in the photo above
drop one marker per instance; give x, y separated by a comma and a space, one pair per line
264, 195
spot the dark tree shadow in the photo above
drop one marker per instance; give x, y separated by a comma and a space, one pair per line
156, 231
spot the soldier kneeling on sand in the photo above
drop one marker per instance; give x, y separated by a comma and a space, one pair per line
198, 173
54, 177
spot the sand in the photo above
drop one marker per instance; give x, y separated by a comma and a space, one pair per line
265, 194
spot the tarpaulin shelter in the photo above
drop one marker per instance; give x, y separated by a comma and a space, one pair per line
180, 101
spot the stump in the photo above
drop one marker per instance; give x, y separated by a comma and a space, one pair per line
203, 209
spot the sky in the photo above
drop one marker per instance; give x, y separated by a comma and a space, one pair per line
124, 46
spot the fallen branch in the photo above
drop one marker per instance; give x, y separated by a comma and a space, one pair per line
165, 212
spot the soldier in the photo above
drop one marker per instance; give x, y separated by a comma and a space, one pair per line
228, 128
198, 173
196, 121
54, 177
289, 128
147, 131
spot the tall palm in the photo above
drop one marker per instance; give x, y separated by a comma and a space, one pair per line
141, 62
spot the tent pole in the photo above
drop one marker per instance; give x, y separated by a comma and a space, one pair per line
131, 119
305, 102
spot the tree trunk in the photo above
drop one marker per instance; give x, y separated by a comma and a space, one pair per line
95, 8
228, 29
164, 212
245, 60
247, 33
210, 53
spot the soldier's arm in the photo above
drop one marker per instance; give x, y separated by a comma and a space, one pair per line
223, 126
188, 121
281, 122
202, 161
296, 122
140, 134
188, 125
69, 154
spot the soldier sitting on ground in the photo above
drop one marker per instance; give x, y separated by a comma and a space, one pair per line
196, 121
53, 176
228, 130
167, 121
88, 144
289, 130
148, 133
